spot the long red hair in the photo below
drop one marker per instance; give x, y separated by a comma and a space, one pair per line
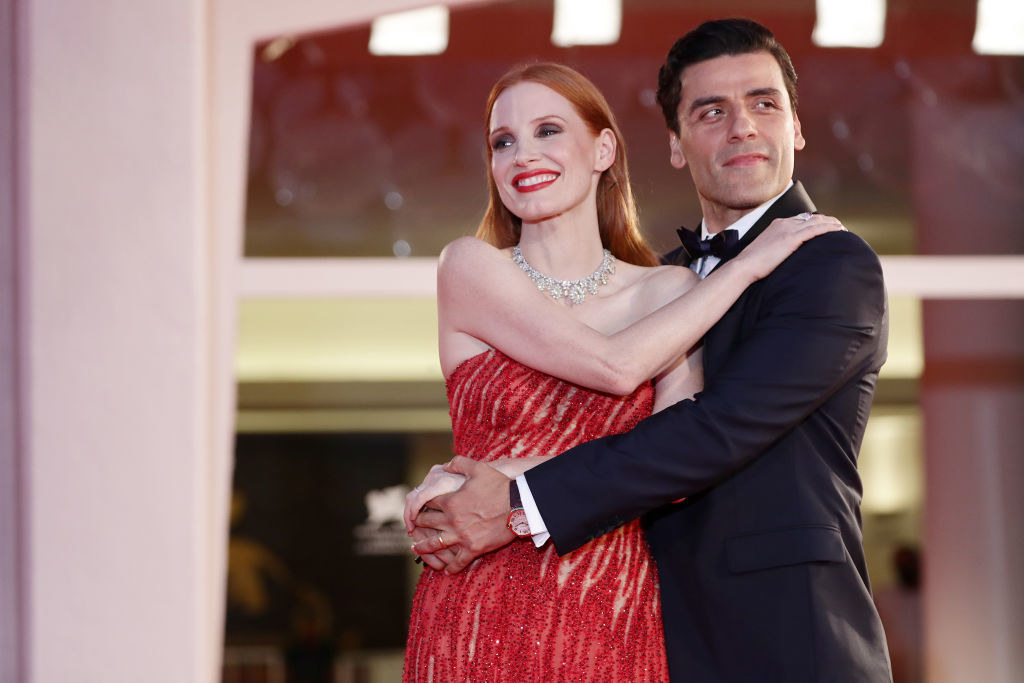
617, 219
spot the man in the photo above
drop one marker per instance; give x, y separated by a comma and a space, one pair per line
761, 568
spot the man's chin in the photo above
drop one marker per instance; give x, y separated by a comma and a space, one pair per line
745, 202
745, 198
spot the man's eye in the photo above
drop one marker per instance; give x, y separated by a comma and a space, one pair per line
766, 104
712, 113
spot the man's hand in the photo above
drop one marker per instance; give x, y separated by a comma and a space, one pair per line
471, 521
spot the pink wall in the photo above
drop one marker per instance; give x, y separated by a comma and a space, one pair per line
11, 568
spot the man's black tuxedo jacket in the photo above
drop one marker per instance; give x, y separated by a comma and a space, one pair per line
761, 568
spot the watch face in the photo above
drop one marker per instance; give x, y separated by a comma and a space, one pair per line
518, 524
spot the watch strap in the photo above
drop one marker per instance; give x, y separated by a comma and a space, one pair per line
516, 522
515, 500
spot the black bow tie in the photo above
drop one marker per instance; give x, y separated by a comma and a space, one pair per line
721, 244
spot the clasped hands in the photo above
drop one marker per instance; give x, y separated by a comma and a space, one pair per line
458, 513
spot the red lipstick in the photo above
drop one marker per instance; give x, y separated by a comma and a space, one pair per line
531, 181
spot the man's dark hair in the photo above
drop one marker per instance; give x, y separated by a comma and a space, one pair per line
715, 39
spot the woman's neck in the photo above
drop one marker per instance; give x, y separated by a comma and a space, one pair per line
562, 248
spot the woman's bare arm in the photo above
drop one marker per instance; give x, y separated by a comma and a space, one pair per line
482, 294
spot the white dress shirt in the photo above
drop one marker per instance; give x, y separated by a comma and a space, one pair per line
702, 267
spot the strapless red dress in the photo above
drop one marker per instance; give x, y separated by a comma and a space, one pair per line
523, 613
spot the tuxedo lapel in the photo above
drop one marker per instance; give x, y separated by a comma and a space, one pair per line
794, 201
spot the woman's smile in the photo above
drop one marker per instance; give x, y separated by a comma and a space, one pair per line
531, 181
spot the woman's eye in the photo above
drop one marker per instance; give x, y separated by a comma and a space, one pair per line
501, 142
548, 129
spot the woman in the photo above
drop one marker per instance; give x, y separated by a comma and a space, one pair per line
516, 360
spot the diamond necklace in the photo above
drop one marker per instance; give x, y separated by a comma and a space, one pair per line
574, 290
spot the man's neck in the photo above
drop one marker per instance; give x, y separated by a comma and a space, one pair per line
741, 221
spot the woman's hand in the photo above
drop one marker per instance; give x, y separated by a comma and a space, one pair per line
437, 482
782, 238
440, 558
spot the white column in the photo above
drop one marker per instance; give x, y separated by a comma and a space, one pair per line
119, 376
972, 400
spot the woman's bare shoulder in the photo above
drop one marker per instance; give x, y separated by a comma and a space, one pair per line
468, 250
468, 267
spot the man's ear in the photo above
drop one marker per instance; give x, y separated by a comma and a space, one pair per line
606, 148
675, 156
798, 138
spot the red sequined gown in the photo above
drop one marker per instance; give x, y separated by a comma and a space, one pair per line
523, 613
